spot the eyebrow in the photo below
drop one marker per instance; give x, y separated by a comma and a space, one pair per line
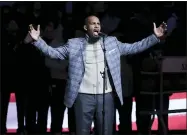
95, 22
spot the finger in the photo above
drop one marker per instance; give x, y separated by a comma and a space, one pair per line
31, 27
164, 27
164, 24
154, 25
38, 28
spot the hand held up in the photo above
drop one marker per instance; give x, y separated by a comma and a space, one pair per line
160, 31
35, 34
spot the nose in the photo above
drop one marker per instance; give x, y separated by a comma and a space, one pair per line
96, 26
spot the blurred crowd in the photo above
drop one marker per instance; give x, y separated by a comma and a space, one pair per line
39, 82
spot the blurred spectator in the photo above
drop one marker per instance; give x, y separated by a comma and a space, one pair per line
58, 75
69, 28
125, 126
20, 11
140, 26
109, 20
69, 7
37, 14
36, 79
53, 35
11, 42
8, 62
171, 23
79, 33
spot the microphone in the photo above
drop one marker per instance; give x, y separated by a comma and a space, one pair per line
102, 34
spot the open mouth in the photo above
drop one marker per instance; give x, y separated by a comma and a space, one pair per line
96, 32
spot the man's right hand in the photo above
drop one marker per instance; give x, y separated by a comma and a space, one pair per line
35, 34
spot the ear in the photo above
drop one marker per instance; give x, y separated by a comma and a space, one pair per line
85, 27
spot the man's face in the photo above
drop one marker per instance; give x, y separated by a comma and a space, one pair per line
93, 26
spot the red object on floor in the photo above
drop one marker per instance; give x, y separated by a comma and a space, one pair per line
174, 96
173, 124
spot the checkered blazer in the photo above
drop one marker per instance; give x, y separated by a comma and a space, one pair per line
74, 51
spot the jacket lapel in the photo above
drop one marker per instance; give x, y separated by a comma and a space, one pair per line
83, 45
104, 44
82, 48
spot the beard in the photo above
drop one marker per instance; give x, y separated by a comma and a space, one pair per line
93, 39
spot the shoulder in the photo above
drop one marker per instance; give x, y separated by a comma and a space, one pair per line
111, 39
75, 40
74, 43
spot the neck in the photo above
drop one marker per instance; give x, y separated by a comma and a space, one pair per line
92, 39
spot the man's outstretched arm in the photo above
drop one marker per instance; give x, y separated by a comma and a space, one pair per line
126, 48
144, 44
55, 53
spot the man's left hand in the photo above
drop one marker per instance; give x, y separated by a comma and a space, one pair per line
160, 31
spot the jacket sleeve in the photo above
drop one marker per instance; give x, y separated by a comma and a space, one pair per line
126, 48
54, 53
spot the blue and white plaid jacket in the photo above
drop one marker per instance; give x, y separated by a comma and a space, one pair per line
74, 51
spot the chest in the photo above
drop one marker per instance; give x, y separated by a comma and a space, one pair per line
81, 51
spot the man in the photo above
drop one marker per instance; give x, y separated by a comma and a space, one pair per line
58, 76
125, 110
21, 70
8, 73
37, 92
86, 61
141, 23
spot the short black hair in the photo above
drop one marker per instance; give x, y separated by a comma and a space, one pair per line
86, 19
